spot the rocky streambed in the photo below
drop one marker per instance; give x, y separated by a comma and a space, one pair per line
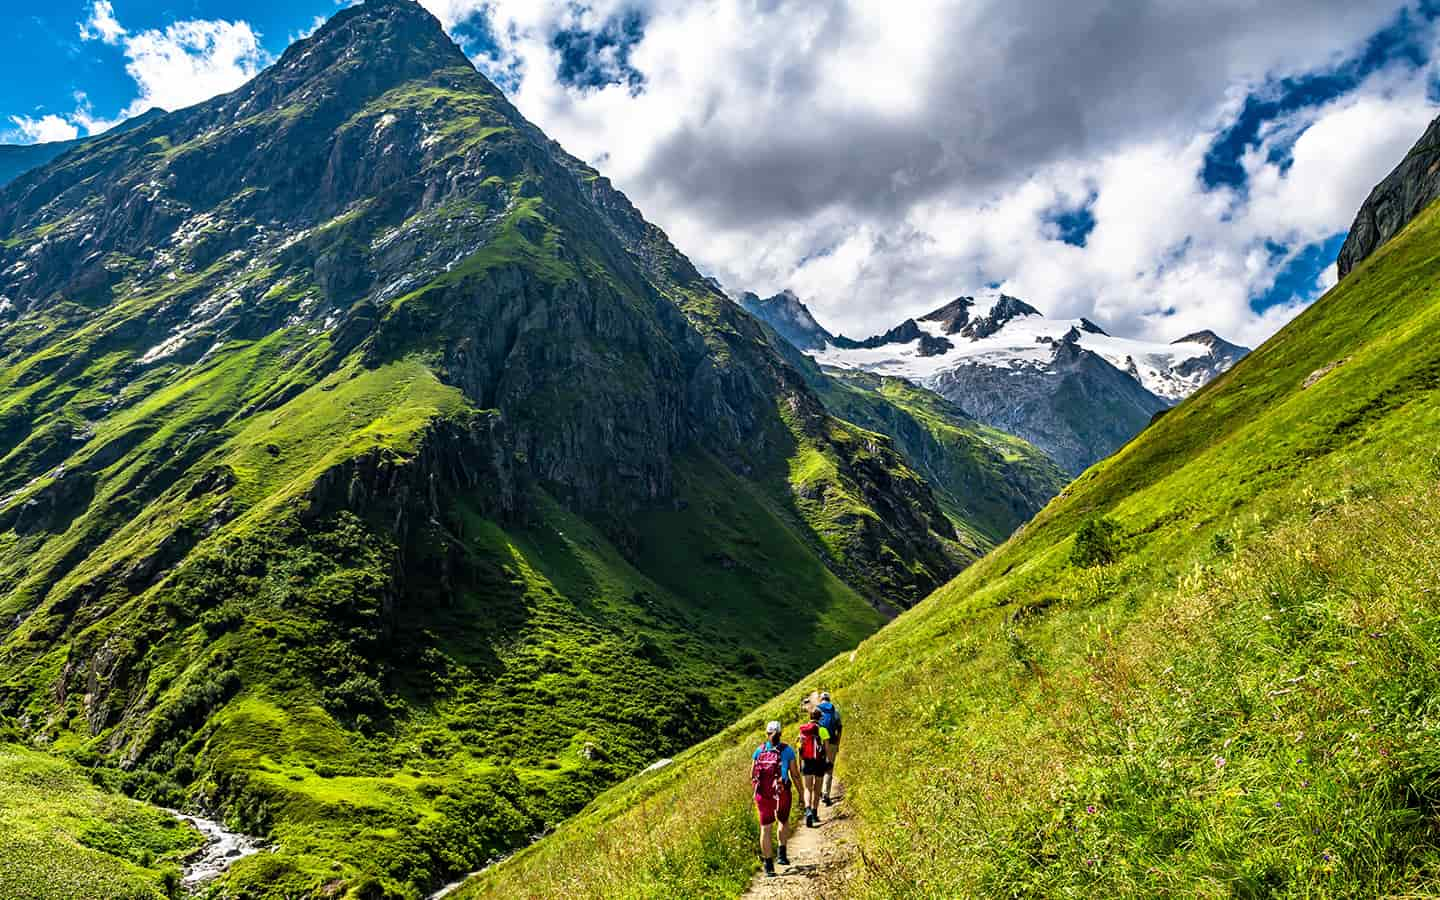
222, 849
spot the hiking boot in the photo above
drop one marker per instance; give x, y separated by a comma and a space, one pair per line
815, 819
782, 859
827, 800
770, 866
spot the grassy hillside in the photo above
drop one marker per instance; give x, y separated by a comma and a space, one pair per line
1228, 689
64, 838
394, 747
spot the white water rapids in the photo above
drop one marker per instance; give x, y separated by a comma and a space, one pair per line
222, 848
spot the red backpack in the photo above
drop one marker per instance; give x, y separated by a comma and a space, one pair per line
811, 747
766, 774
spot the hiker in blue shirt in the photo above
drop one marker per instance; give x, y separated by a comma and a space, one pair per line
772, 772
830, 721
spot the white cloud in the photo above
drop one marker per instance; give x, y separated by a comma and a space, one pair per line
191, 61
185, 63
84, 116
43, 129
101, 24
56, 127
881, 160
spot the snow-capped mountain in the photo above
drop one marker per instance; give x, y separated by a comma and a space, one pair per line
1007, 332
1063, 384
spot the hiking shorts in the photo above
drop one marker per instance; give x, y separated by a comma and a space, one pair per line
770, 809
816, 766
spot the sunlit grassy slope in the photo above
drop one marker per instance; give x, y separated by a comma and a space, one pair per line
63, 838
1244, 701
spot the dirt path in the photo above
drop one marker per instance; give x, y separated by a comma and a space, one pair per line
819, 858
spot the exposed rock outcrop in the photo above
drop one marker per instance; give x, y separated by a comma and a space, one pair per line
1401, 196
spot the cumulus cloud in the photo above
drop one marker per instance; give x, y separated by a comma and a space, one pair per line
101, 25
84, 116
881, 163
57, 127
185, 63
42, 129
191, 61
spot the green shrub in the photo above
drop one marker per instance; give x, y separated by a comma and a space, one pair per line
1221, 544
222, 619
1097, 543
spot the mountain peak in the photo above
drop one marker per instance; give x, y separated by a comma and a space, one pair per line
789, 316
362, 50
1215, 342
1003, 310
383, 21
1204, 336
952, 316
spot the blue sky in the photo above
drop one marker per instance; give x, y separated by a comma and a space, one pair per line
44, 62
880, 162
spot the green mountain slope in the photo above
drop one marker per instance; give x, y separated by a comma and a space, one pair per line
989, 482
17, 159
1209, 668
373, 475
64, 838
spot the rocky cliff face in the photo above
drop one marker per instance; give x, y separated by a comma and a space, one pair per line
788, 316
1076, 406
1413, 185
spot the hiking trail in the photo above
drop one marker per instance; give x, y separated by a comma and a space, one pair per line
819, 857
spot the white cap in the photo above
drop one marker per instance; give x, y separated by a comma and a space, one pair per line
824, 695
773, 727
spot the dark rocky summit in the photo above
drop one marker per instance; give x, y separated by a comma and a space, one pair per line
788, 316
1413, 185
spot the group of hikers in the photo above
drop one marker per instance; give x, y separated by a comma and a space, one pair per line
776, 766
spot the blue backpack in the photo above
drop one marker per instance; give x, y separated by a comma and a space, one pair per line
829, 717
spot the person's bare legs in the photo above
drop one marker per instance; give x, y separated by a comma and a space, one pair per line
766, 842
833, 755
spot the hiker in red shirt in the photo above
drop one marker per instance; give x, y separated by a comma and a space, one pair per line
814, 764
772, 772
